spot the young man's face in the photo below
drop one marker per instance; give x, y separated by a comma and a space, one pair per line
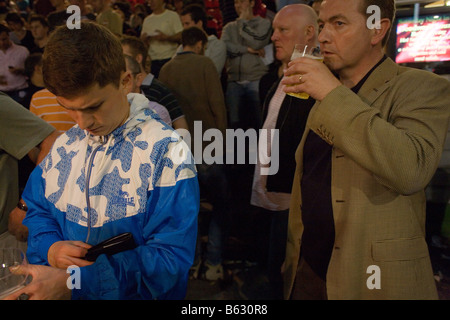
156, 4
38, 30
344, 37
187, 22
100, 110
14, 26
242, 5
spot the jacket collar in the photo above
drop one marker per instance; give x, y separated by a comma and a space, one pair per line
378, 81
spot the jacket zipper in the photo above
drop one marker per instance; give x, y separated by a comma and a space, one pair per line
88, 177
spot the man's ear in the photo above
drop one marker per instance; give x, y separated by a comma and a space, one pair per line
199, 47
309, 33
139, 58
379, 33
126, 82
139, 79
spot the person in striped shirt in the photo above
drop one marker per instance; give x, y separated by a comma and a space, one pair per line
44, 104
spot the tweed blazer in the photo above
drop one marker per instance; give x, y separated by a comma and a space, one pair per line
387, 142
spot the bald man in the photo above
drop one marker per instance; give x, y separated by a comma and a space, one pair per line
293, 24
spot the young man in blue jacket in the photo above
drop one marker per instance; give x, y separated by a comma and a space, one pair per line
119, 170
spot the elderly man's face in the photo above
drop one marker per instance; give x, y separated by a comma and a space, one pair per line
288, 29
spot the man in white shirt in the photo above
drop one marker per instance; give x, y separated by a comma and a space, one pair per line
12, 58
161, 31
293, 24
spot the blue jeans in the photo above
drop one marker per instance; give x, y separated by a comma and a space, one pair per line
214, 185
244, 106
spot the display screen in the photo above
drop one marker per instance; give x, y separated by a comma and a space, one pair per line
424, 40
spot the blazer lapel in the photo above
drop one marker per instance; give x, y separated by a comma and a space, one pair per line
378, 81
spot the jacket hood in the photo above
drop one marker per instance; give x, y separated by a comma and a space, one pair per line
139, 110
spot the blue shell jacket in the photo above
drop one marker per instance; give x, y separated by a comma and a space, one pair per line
140, 179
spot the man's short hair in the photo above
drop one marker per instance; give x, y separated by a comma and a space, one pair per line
14, 17
76, 59
33, 60
387, 10
137, 46
192, 35
197, 13
40, 18
132, 65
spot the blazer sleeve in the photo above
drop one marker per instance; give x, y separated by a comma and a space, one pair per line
399, 138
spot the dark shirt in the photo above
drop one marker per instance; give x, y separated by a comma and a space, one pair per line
159, 93
58, 18
317, 210
27, 41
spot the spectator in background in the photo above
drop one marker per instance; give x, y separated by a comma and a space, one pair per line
85, 10
271, 193
43, 7
59, 16
161, 32
13, 81
194, 15
178, 6
245, 39
228, 11
194, 80
123, 9
33, 72
40, 29
107, 17
135, 86
4, 9
151, 87
137, 18
316, 6
19, 33
44, 104
24, 7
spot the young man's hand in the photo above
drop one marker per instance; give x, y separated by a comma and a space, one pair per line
48, 283
63, 254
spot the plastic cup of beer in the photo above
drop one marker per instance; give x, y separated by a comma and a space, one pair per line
9, 281
304, 50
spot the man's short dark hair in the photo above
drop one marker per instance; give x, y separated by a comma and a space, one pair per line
197, 13
76, 59
387, 10
33, 60
192, 35
40, 18
132, 65
137, 46
14, 17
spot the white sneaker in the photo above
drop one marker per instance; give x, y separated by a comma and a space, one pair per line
213, 273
